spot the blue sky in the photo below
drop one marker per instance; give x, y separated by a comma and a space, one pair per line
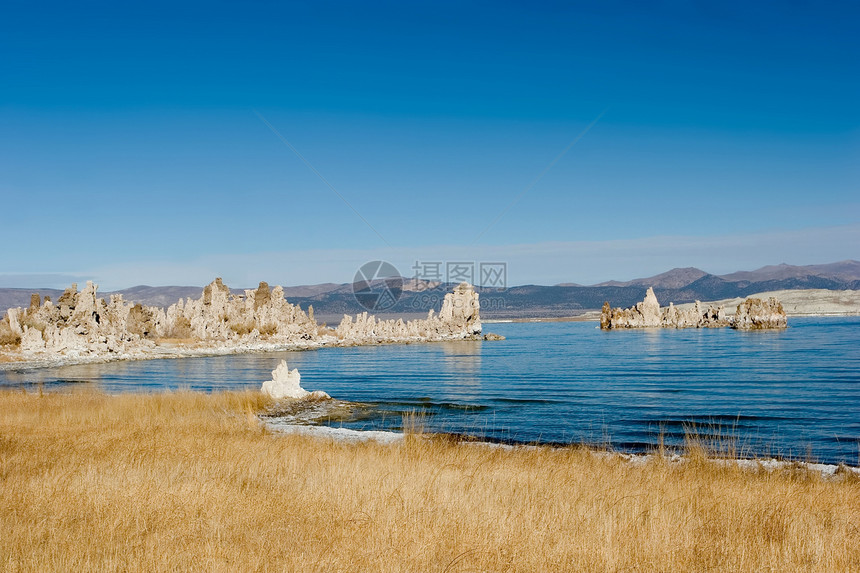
132, 148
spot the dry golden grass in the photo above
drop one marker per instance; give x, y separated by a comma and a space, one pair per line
191, 482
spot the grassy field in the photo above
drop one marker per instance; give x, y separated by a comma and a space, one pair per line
190, 481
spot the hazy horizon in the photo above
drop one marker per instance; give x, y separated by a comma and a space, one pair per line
60, 282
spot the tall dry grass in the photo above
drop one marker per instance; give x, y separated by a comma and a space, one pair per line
187, 481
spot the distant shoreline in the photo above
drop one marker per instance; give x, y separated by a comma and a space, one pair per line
808, 303
590, 316
9, 362
168, 352
594, 316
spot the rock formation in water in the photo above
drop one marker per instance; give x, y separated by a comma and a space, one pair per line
458, 318
286, 383
755, 314
751, 314
643, 314
82, 324
260, 313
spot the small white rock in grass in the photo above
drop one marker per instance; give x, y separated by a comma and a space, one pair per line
285, 383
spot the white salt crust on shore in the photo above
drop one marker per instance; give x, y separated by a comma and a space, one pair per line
32, 361
390, 438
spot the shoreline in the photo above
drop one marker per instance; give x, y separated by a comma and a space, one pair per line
84, 329
594, 316
387, 437
293, 425
177, 352
797, 303
14, 361
320, 418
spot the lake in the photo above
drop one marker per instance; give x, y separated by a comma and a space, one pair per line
792, 393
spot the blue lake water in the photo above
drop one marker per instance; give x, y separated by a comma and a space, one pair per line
794, 393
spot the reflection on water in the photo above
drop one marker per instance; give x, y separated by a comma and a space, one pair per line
461, 364
778, 393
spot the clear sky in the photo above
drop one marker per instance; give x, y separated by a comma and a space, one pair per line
136, 144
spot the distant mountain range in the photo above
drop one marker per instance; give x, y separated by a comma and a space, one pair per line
331, 301
843, 271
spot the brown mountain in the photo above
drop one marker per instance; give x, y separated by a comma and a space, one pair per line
842, 271
675, 278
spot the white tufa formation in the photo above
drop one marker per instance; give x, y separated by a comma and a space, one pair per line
758, 314
459, 318
286, 383
80, 324
752, 314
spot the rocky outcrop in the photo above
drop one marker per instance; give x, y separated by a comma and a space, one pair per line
80, 323
757, 314
286, 383
10, 332
459, 318
642, 315
260, 313
751, 314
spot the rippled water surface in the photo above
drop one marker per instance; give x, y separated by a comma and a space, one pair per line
793, 393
